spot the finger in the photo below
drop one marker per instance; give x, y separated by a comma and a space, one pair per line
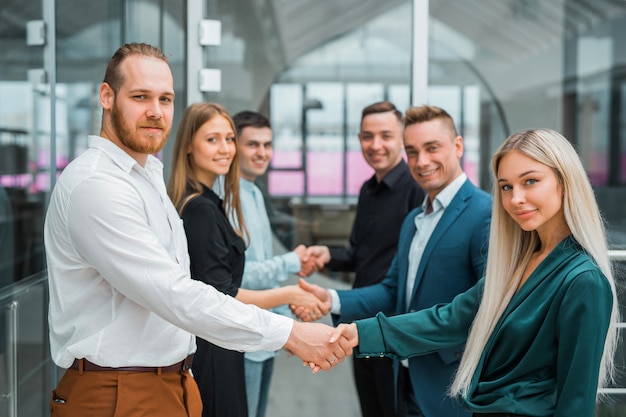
338, 352
303, 284
335, 334
299, 311
345, 345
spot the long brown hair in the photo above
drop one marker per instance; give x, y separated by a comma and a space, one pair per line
183, 185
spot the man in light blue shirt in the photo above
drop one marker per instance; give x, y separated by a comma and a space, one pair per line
262, 269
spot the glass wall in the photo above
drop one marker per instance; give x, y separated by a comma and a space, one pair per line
48, 105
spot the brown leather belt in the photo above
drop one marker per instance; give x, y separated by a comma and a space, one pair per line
85, 365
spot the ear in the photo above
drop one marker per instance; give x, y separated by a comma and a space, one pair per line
107, 96
458, 145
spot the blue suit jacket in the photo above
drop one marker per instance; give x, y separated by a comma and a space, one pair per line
453, 261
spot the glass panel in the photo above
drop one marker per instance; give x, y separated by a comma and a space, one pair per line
339, 78
24, 145
25, 374
286, 120
323, 136
359, 96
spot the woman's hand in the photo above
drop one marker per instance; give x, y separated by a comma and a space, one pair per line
349, 331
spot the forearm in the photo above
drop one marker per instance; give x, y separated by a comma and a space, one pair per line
267, 298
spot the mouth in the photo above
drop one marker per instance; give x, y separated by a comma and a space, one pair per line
522, 214
152, 129
427, 173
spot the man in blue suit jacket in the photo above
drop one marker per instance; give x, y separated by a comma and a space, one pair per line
442, 252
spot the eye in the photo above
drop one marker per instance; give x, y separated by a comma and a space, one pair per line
140, 97
432, 148
230, 139
210, 139
506, 187
167, 99
530, 181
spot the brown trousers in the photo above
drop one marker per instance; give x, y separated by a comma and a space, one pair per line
126, 394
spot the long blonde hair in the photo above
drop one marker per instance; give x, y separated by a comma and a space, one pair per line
182, 178
510, 247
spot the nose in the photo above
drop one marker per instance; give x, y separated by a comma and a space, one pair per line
422, 159
376, 142
517, 196
154, 110
223, 146
261, 151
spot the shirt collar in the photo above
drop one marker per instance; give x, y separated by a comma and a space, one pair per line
120, 157
446, 195
392, 178
244, 184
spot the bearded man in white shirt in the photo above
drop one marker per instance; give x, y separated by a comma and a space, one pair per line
123, 308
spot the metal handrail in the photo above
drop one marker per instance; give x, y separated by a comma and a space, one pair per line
617, 255
12, 307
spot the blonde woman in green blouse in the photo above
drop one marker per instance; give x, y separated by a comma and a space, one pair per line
538, 326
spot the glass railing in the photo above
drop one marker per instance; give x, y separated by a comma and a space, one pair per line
26, 369
614, 403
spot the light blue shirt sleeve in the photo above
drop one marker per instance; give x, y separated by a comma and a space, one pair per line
269, 273
262, 269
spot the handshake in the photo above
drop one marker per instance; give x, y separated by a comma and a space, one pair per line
318, 345
312, 259
310, 302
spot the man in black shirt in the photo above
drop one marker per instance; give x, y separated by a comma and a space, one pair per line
384, 201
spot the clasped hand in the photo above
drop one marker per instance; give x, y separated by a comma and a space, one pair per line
319, 345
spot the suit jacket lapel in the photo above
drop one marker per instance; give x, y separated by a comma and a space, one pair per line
404, 248
450, 214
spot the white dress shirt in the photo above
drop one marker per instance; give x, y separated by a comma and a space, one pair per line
120, 287
262, 269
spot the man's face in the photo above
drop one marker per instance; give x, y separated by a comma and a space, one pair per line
143, 107
433, 155
255, 151
381, 142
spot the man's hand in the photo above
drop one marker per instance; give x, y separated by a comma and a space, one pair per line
321, 255
311, 343
310, 306
322, 295
308, 264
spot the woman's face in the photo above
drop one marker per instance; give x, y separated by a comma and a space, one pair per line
212, 150
531, 194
